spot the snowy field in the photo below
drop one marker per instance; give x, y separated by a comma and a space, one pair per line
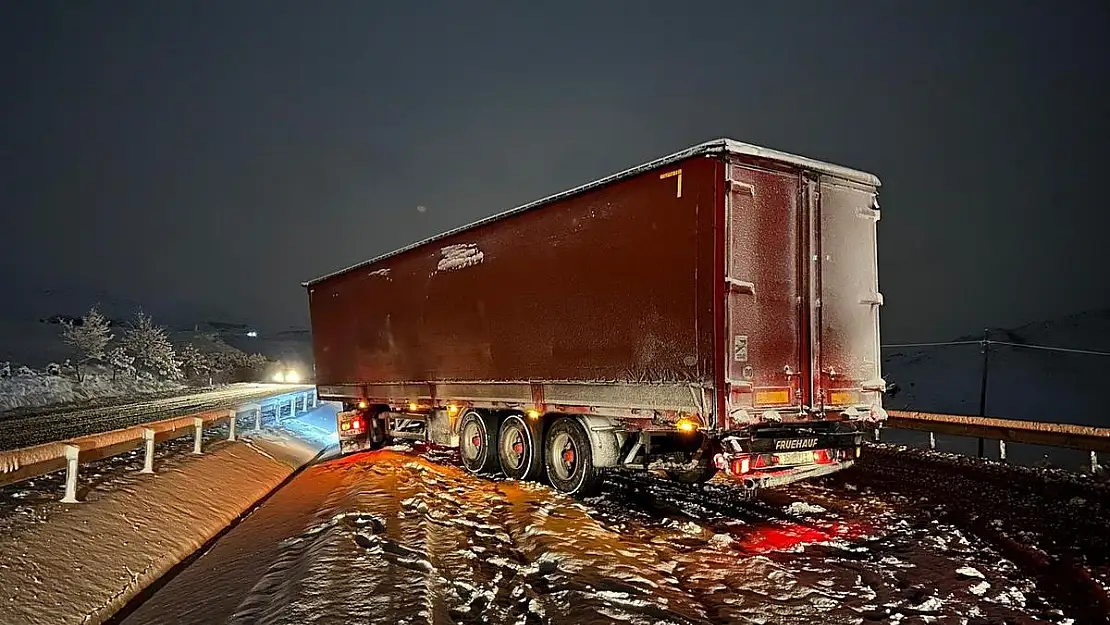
403, 536
34, 389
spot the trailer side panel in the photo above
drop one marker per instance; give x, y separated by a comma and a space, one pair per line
612, 285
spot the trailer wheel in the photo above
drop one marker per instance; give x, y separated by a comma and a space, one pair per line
568, 456
517, 450
701, 473
698, 475
478, 442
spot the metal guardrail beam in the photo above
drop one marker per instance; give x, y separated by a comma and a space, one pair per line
17, 465
1081, 437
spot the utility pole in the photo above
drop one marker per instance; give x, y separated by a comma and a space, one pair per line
983, 385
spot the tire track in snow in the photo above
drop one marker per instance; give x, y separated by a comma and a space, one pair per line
402, 540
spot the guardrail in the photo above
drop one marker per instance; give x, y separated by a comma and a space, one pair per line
1093, 440
22, 464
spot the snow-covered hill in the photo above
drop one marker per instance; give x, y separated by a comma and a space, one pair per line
1023, 382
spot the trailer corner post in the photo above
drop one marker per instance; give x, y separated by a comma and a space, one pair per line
148, 457
198, 434
72, 452
232, 415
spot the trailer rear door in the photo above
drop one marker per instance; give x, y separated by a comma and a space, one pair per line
764, 328
847, 341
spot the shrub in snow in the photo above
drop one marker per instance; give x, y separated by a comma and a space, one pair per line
5, 369
233, 365
121, 362
25, 371
151, 349
53, 369
89, 339
194, 362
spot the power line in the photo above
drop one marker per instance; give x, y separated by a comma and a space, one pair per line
1066, 350
1046, 348
943, 344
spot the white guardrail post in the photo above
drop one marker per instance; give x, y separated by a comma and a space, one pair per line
1094, 462
198, 434
148, 457
232, 415
71, 474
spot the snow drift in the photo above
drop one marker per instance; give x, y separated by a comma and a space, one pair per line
89, 559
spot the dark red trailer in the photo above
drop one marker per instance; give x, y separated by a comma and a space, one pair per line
715, 309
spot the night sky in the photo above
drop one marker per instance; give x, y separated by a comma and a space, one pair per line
212, 155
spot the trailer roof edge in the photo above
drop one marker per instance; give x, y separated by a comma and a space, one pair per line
709, 147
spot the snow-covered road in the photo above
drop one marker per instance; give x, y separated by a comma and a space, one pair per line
26, 428
404, 536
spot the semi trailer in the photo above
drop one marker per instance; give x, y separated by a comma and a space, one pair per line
714, 310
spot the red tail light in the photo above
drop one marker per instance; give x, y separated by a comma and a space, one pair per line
741, 465
821, 456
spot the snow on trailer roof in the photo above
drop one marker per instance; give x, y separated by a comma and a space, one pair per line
709, 147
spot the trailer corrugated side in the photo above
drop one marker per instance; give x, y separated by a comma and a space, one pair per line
728, 286
588, 295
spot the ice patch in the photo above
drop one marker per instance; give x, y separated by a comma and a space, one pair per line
967, 571
1012, 597
932, 604
459, 256
801, 508
980, 589
691, 528
721, 541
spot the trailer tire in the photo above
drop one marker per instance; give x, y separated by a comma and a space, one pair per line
697, 475
478, 442
568, 457
518, 449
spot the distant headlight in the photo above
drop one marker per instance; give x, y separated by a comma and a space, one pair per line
279, 377
292, 377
